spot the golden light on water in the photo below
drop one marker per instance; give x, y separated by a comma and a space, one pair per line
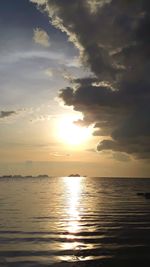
72, 134
73, 190
73, 187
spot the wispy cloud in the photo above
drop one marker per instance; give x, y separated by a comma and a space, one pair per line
9, 116
57, 154
6, 114
121, 157
41, 118
39, 2
49, 72
41, 37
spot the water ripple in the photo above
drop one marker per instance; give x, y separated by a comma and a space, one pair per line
74, 222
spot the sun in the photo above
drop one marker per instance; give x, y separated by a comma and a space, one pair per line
72, 134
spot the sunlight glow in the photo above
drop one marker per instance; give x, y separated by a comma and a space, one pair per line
72, 134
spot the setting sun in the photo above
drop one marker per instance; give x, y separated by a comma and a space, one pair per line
72, 134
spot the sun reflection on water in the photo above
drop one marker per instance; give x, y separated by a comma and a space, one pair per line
73, 191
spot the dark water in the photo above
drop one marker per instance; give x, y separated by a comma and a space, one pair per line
74, 222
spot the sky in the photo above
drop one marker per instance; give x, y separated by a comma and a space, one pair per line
75, 87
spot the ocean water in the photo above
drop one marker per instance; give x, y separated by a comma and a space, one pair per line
74, 221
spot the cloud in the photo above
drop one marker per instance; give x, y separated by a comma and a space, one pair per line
41, 118
57, 154
39, 2
6, 114
49, 72
121, 157
113, 40
41, 37
10, 116
95, 4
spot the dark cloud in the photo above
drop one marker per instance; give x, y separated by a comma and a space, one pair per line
5, 114
113, 38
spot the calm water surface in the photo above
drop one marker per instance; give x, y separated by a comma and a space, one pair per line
74, 222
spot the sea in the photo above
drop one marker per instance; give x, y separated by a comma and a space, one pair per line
74, 221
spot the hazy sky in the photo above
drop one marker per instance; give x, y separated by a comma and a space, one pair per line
75, 60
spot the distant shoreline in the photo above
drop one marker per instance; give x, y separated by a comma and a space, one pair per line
78, 176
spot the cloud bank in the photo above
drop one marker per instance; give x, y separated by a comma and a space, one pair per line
113, 38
